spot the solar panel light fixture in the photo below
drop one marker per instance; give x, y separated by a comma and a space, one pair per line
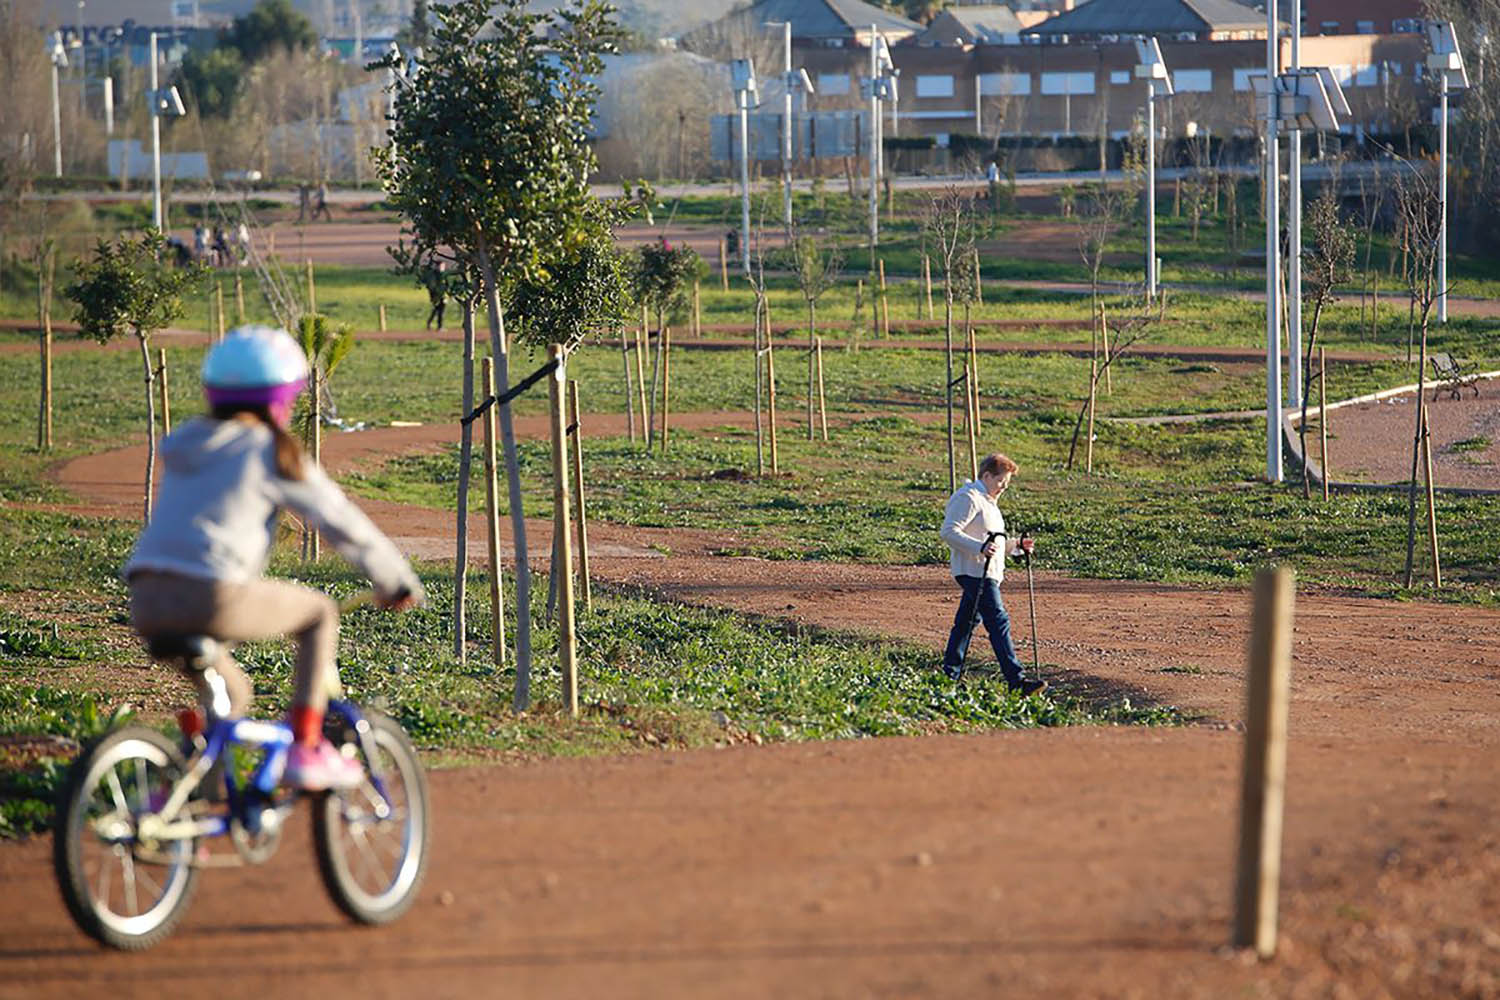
797, 80
1445, 57
56, 51
167, 103
1302, 98
742, 73
1151, 66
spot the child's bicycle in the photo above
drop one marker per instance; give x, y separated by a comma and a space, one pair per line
136, 806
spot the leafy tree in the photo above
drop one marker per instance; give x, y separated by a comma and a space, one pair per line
130, 286
418, 30
660, 280
270, 25
949, 226
490, 157
212, 79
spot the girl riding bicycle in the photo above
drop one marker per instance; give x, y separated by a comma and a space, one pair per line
196, 568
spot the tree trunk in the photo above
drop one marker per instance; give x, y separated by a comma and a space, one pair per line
948, 388
465, 458
1416, 451
1312, 339
500, 350
44, 279
812, 373
143, 340
629, 385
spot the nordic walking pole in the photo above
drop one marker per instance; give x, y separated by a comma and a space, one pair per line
989, 537
1036, 658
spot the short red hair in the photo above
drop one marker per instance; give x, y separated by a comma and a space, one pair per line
996, 464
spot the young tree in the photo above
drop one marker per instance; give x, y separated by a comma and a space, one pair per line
949, 227
131, 286
661, 281
489, 156
818, 270
326, 346
1328, 263
1422, 218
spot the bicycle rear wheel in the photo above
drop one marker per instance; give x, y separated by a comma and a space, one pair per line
119, 889
372, 848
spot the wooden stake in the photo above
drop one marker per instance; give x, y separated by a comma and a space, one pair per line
666, 382
640, 375
166, 399
45, 276
822, 400
312, 291
723, 265
927, 284
760, 436
885, 304
314, 550
492, 514
561, 529
271, 244
771, 390
973, 368
978, 282
629, 388
697, 311
239, 299
1437, 569
972, 419
1263, 790
1109, 385
219, 305
1088, 459
382, 317
580, 507
1323, 417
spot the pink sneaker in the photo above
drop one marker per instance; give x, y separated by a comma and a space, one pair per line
320, 768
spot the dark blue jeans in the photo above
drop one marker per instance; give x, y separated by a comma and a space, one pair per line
992, 610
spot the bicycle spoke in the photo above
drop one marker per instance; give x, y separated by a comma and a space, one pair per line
149, 882
368, 854
104, 870
127, 880
117, 793
142, 790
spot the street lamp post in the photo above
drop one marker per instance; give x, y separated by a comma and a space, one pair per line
1151, 67
1294, 231
1273, 248
163, 103
59, 58
745, 96
1448, 62
874, 145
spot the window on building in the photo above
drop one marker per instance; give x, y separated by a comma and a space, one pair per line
1005, 84
1242, 78
1366, 76
1330, 27
833, 84
934, 86
1119, 76
1072, 84
1364, 27
1407, 25
1193, 81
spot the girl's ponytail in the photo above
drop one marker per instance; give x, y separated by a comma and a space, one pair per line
290, 458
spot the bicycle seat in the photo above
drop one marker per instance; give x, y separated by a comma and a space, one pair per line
197, 652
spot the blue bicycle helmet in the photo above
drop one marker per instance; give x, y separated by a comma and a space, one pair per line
254, 366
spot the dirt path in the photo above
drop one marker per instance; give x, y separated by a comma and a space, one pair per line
1090, 862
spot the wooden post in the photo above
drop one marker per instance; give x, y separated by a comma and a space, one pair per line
697, 311
1263, 789
1088, 462
166, 399
629, 388
972, 399
312, 291
239, 298
1437, 569
771, 390
640, 375
1109, 385
219, 305
45, 276
567, 645
1323, 417
822, 399
312, 541
927, 283
666, 383
885, 304
760, 434
492, 513
382, 317
973, 368
580, 507
859, 296
723, 265
978, 282
271, 244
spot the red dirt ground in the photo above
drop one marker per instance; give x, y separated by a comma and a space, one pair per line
1366, 438
1083, 862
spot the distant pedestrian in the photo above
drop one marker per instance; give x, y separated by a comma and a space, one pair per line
200, 241
434, 277
974, 529
220, 247
320, 204
242, 241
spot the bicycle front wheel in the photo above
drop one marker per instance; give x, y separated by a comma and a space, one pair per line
372, 847
121, 890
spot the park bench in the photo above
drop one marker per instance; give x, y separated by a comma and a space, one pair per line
1452, 376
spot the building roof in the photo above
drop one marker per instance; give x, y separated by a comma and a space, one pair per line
820, 19
1152, 17
974, 24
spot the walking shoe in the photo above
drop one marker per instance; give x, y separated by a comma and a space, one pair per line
1027, 688
320, 768
953, 673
